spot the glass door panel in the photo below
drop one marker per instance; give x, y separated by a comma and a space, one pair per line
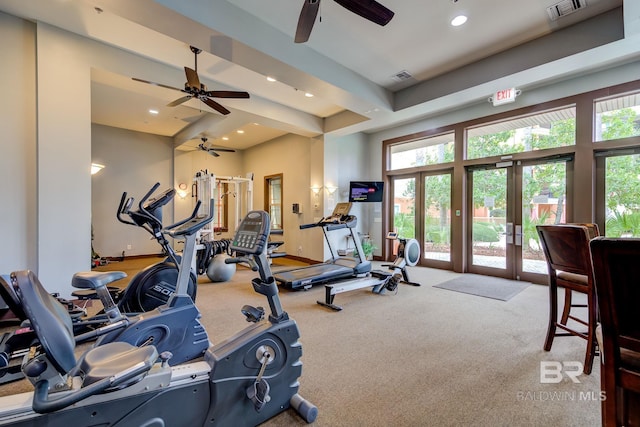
489, 230
404, 207
437, 217
544, 194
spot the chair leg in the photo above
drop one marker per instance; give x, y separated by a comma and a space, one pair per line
567, 306
609, 405
553, 314
591, 334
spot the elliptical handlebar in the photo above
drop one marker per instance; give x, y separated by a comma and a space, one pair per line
190, 225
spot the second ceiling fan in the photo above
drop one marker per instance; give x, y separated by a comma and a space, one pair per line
212, 150
193, 88
369, 9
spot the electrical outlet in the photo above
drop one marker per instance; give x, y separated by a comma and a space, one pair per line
128, 247
299, 250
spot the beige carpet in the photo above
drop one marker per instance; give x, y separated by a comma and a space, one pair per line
421, 357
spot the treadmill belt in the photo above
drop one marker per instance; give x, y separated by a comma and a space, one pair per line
312, 274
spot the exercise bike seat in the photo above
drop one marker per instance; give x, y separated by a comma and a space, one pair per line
95, 279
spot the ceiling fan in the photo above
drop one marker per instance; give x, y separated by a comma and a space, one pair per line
212, 150
368, 9
194, 89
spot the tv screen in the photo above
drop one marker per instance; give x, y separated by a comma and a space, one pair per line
365, 191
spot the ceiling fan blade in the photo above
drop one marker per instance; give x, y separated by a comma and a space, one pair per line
307, 18
226, 150
179, 101
192, 78
213, 104
226, 94
156, 84
213, 153
368, 9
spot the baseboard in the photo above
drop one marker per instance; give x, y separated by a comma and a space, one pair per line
117, 258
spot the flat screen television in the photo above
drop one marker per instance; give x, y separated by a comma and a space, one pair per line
365, 191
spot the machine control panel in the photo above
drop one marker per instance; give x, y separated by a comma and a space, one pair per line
251, 236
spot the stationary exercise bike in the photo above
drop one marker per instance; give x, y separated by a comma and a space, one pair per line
174, 326
244, 380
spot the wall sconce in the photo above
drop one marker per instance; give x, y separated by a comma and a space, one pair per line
330, 189
316, 190
182, 190
95, 168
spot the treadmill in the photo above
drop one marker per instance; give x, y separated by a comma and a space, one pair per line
336, 268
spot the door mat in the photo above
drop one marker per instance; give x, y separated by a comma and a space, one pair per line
485, 286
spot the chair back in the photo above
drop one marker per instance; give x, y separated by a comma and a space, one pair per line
616, 266
592, 228
566, 248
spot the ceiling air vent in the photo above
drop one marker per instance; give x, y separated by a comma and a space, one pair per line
401, 76
565, 7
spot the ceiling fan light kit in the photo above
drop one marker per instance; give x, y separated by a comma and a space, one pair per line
368, 9
193, 88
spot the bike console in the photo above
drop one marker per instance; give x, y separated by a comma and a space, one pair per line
252, 234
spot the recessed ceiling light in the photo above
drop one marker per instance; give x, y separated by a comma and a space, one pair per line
240, 131
308, 95
152, 111
458, 20
271, 79
225, 138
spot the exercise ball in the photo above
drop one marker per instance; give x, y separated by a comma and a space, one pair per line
218, 271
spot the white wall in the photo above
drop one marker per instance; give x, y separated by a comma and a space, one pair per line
18, 217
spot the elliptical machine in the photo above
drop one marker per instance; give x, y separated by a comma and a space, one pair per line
244, 380
154, 285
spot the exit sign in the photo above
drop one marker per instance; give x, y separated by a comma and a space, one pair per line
504, 96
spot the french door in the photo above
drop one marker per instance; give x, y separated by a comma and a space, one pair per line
422, 210
505, 202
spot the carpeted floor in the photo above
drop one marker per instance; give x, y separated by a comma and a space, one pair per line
421, 357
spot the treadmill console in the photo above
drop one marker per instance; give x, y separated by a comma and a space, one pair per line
339, 214
251, 236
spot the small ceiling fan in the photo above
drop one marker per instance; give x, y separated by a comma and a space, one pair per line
368, 9
212, 150
194, 89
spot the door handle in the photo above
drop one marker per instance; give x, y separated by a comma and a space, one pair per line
518, 235
509, 233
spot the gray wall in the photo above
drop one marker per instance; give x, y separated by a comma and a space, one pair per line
134, 162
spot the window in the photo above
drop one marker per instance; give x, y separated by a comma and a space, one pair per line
427, 151
622, 186
273, 200
617, 117
547, 130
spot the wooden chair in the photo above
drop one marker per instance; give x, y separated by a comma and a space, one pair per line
566, 249
594, 231
616, 265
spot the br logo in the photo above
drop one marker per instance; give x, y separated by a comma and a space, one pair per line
553, 372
